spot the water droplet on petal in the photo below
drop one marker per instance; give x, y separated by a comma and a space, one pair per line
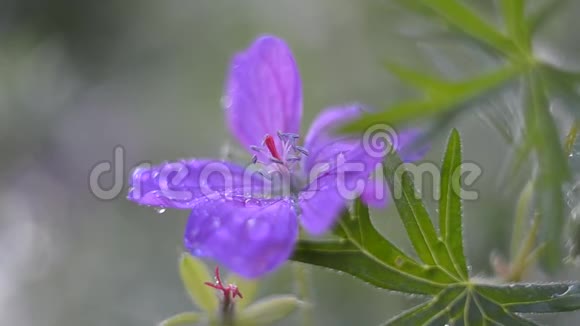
160, 210
252, 202
226, 102
257, 229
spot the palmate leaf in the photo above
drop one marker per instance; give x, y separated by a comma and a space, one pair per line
440, 268
547, 83
362, 252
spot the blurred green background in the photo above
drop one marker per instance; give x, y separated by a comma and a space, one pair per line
78, 78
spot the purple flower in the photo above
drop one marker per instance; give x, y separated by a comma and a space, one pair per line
246, 218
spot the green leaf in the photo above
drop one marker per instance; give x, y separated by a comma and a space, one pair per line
403, 275
194, 274
433, 312
474, 304
562, 85
268, 310
414, 216
362, 252
458, 95
552, 170
428, 84
470, 23
539, 18
513, 12
358, 228
450, 211
183, 319
534, 298
463, 19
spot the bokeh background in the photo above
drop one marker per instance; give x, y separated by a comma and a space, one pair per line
78, 78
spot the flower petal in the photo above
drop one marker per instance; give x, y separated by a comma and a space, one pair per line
183, 184
324, 146
321, 141
320, 208
263, 92
377, 192
407, 141
339, 167
251, 237
323, 200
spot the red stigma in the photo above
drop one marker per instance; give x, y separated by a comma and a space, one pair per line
230, 291
271, 145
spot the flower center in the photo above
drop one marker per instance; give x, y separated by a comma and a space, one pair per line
282, 160
271, 145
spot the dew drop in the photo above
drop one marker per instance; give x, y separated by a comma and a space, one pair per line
226, 102
252, 202
257, 229
160, 210
216, 222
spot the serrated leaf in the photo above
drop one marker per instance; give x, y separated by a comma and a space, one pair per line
268, 310
414, 216
455, 302
496, 314
364, 253
459, 94
183, 319
358, 229
194, 274
463, 19
343, 255
432, 312
478, 304
470, 23
534, 298
450, 211
552, 170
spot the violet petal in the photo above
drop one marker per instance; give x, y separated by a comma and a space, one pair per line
263, 92
328, 194
183, 184
322, 142
248, 236
407, 146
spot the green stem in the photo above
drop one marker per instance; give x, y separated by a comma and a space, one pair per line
525, 255
302, 287
522, 215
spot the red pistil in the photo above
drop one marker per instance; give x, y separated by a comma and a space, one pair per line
230, 291
271, 145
